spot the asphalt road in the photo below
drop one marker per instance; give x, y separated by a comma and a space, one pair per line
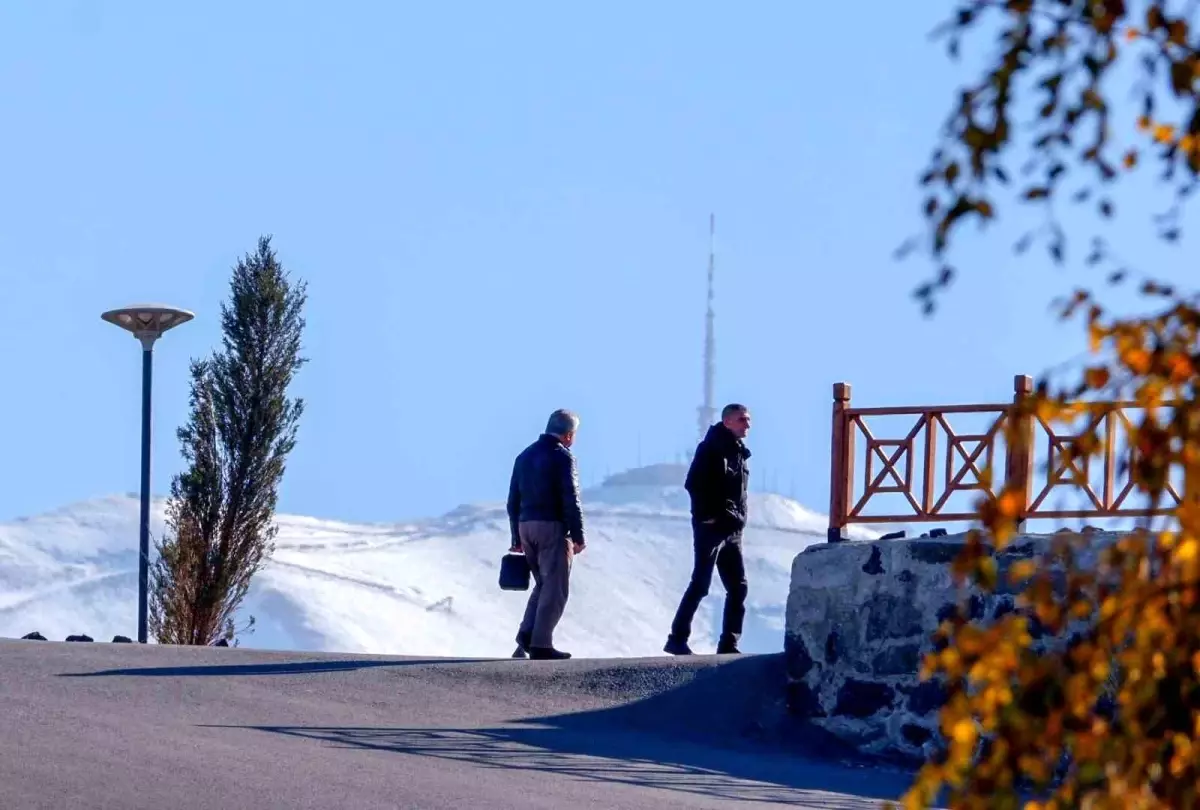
124, 726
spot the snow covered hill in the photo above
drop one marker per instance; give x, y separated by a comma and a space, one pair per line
427, 588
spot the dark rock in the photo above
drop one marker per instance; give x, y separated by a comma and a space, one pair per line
832, 647
946, 612
938, 532
906, 576
935, 553
894, 535
1021, 552
222, 643
917, 735
975, 607
122, 640
1004, 606
873, 566
926, 697
799, 660
863, 698
802, 701
891, 616
34, 636
82, 637
903, 659
1037, 630
1004, 586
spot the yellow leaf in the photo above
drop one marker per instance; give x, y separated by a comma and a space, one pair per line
1021, 571
1164, 133
1187, 550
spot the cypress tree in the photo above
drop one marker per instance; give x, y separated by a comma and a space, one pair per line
241, 428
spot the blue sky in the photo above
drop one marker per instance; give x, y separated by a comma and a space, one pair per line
499, 210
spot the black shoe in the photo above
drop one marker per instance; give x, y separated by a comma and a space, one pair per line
519, 652
727, 647
522, 646
547, 654
674, 647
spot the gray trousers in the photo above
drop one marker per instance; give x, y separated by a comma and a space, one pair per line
549, 553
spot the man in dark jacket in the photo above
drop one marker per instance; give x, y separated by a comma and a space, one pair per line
717, 483
547, 526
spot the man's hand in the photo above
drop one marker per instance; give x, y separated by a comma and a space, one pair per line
515, 548
577, 548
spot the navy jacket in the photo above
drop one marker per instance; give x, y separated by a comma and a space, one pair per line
717, 480
545, 486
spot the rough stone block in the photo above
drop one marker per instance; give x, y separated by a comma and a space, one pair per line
859, 616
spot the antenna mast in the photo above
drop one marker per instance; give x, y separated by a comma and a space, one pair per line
707, 413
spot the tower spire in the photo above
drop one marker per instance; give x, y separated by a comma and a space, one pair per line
707, 412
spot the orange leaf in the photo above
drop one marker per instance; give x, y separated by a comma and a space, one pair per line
1096, 377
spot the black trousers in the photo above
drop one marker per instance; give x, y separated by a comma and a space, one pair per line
723, 553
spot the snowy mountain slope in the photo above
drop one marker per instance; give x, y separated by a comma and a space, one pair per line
426, 588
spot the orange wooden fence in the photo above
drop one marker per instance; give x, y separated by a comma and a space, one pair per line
891, 464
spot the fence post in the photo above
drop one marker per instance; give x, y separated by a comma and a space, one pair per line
841, 479
1019, 448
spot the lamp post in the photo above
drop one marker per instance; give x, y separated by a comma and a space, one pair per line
147, 323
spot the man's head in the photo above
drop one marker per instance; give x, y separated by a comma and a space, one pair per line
563, 424
737, 418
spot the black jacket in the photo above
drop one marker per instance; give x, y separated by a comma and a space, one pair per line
545, 486
717, 480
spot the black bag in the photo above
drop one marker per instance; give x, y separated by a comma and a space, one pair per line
514, 572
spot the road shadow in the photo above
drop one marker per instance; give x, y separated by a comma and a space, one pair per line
283, 668
629, 758
721, 731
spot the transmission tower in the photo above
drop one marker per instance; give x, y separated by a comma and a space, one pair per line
707, 413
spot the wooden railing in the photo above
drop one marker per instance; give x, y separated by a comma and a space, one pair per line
892, 465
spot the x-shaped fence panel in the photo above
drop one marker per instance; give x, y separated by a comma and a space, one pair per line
939, 458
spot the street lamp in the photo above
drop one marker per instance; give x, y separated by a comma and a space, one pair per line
147, 322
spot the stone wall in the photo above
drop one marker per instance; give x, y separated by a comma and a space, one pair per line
860, 618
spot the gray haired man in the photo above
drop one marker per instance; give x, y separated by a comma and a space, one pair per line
547, 526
